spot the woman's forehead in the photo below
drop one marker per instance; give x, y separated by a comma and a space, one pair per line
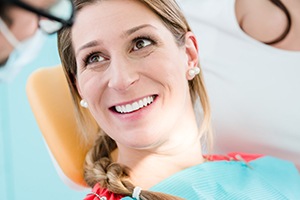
111, 10
114, 14
108, 18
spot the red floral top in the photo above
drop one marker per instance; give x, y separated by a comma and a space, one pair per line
103, 194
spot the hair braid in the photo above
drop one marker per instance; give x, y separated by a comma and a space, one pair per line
100, 169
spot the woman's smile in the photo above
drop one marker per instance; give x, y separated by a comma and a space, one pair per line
135, 112
135, 105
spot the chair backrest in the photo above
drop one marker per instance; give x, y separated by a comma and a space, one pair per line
52, 105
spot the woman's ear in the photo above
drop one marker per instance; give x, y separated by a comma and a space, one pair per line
191, 48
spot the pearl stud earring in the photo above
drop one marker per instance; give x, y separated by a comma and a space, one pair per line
84, 104
194, 71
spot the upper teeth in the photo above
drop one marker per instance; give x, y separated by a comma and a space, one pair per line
135, 105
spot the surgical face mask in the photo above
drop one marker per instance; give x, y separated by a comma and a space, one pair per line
24, 52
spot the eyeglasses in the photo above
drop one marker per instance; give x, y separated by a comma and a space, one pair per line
58, 15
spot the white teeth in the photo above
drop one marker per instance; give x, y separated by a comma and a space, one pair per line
145, 101
135, 105
118, 108
129, 108
141, 104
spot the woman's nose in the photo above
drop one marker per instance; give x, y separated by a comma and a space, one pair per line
123, 74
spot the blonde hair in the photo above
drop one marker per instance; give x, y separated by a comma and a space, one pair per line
99, 167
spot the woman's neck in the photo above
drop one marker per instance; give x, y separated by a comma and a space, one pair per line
149, 167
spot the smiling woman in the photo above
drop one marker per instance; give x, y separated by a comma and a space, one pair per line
137, 73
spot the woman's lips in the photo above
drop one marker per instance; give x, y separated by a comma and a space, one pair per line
134, 106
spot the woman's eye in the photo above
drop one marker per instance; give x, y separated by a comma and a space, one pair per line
141, 43
94, 58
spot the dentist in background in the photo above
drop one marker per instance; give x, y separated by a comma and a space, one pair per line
24, 25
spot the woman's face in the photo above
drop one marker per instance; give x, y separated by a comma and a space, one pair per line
132, 73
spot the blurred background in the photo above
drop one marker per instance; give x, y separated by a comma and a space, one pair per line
26, 169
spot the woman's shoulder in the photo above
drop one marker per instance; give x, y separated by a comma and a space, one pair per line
264, 164
235, 175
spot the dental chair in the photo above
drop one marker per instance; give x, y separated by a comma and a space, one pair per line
52, 106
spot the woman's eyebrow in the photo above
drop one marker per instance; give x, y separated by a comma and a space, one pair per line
88, 45
124, 35
137, 28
